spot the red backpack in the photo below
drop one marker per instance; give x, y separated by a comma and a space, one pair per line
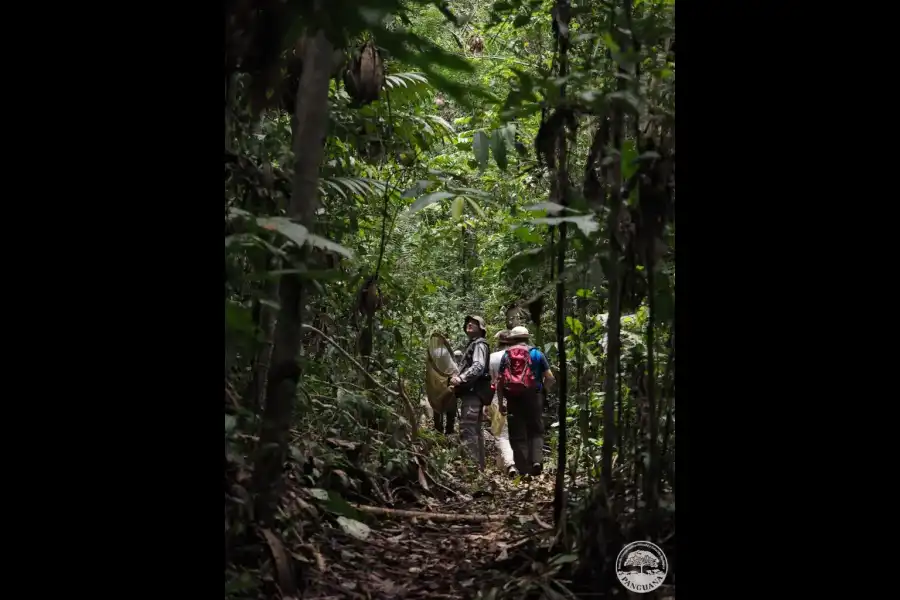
518, 375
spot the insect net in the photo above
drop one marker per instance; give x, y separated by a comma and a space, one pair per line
439, 368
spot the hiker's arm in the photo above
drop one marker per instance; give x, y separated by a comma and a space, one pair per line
479, 360
549, 379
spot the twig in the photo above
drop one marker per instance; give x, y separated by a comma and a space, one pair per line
348, 357
422, 461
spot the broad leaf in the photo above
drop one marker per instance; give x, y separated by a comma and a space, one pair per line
552, 208
480, 147
476, 208
295, 232
428, 200
498, 149
457, 207
421, 186
355, 528
585, 223
326, 244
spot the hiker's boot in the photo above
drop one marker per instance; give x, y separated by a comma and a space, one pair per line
512, 472
537, 469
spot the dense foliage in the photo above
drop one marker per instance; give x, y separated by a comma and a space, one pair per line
515, 160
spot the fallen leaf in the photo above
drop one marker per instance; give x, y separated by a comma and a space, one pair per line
318, 494
282, 564
355, 528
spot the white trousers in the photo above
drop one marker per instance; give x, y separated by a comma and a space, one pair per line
504, 449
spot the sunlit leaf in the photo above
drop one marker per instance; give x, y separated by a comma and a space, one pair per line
552, 208
325, 244
295, 232
428, 200
476, 208
585, 223
527, 235
457, 207
420, 187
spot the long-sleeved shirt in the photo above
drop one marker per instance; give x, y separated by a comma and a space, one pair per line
479, 361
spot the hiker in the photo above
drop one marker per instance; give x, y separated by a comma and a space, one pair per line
457, 356
473, 387
502, 440
524, 371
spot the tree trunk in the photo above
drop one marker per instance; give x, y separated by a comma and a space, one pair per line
311, 118
562, 193
651, 483
613, 322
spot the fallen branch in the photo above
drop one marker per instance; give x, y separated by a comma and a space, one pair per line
414, 514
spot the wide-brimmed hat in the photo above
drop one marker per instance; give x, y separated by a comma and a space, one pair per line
518, 333
478, 320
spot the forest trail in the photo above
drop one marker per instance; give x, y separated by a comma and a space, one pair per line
477, 538
420, 557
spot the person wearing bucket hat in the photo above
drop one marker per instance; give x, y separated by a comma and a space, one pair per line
473, 387
523, 373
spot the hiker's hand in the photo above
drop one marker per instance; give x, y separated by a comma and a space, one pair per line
455, 380
487, 412
502, 408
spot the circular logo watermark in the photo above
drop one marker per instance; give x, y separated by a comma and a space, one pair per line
641, 567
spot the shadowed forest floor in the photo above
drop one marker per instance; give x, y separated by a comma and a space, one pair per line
425, 557
471, 533
431, 532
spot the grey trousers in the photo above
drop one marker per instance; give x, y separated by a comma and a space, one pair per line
470, 429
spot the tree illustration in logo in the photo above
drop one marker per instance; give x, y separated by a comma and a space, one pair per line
641, 559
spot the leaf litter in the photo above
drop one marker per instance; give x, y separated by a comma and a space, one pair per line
417, 555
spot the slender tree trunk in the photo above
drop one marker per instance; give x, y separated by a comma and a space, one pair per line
651, 484
562, 193
613, 322
311, 117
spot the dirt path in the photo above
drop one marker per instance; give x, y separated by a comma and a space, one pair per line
422, 557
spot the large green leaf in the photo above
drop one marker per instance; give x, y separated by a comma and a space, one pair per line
550, 207
298, 234
585, 223
498, 148
476, 208
326, 244
457, 207
295, 232
428, 200
480, 147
